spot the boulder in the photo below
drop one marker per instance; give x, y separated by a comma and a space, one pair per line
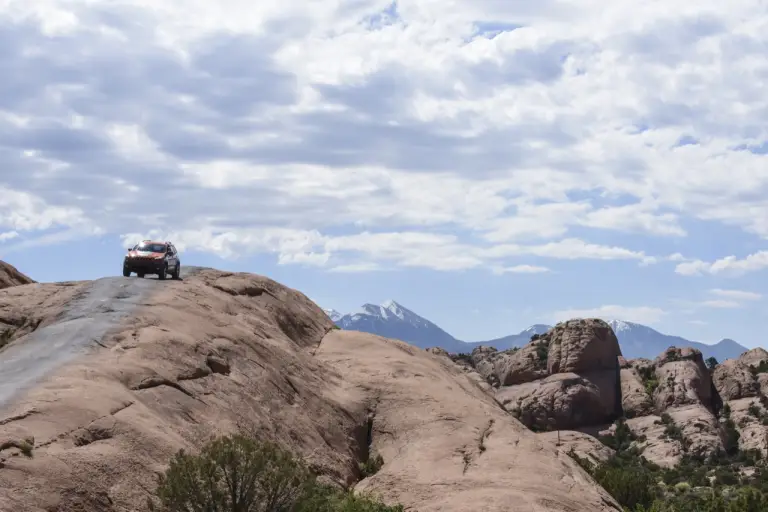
750, 417
754, 357
635, 400
524, 365
10, 276
483, 361
563, 401
699, 428
583, 345
654, 444
583, 445
733, 380
683, 379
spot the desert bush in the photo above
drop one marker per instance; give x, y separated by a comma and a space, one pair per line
372, 465
241, 474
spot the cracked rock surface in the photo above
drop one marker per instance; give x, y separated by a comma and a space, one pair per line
159, 366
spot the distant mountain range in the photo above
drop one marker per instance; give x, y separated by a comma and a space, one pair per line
392, 320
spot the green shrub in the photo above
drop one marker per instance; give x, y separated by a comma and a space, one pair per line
542, 354
372, 465
240, 474
650, 381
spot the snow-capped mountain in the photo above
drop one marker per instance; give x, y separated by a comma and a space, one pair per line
333, 314
638, 340
393, 320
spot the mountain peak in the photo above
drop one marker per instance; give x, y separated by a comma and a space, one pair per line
390, 304
332, 314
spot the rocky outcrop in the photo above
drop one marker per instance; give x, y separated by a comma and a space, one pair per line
583, 445
524, 365
733, 380
560, 401
10, 276
635, 399
654, 440
754, 357
219, 352
683, 379
582, 346
563, 379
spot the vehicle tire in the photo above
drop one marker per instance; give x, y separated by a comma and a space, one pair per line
176, 272
141, 275
126, 272
163, 272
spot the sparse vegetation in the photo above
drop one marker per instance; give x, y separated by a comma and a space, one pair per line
697, 484
760, 368
5, 336
464, 357
240, 474
711, 363
542, 355
648, 376
372, 465
622, 437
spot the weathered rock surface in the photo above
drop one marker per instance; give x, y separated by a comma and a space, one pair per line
580, 346
563, 401
754, 357
217, 352
750, 417
700, 429
565, 378
635, 400
734, 381
10, 276
471, 455
584, 445
683, 379
524, 365
654, 444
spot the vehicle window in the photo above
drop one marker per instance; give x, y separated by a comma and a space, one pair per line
151, 247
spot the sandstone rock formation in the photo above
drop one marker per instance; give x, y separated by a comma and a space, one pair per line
733, 380
674, 405
564, 379
683, 379
635, 399
10, 276
160, 366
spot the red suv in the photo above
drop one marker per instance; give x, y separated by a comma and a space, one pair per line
151, 257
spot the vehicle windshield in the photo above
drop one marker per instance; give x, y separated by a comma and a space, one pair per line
150, 247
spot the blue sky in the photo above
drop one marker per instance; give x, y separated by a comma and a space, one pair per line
502, 165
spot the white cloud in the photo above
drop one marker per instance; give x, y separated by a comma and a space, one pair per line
336, 135
638, 314
736, 294
730, 265
354, 268
521, 269
720, 304
8, 235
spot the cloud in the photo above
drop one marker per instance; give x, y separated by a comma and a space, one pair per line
736, 294
364, 135
521, 269
729, 266
638, 314
720, 303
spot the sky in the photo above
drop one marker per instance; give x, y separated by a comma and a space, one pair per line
488, 164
